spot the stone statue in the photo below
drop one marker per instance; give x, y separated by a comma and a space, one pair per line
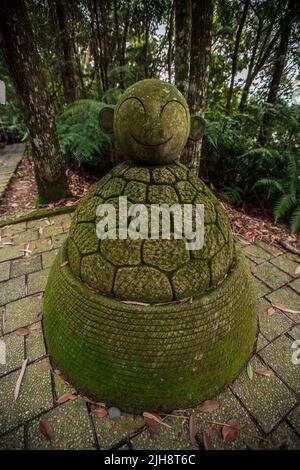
146, 324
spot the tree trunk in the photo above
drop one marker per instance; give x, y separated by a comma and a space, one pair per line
278, 67
71, 90
183, 30
146, 45
235, 54
202, 11
23, 62
255, 66
170, 41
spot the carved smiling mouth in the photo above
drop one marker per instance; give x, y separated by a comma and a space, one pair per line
150, 145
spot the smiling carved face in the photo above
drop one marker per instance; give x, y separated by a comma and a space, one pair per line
152, 122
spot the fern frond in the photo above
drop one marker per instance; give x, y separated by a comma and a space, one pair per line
295, 219
283, 205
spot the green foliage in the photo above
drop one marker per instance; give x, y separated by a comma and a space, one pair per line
79, 133
236, 164
112, 95
286, 191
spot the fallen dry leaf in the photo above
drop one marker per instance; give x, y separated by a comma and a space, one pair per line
44, 365
208, 405
22, 332
266, 372
193, 430
207, 439
100, 412
155, 417
35, 327
297, 270
19, 379
283, 308
231, 430
66, 397
253, 269
46, 429
64, 264
152, 426
271, 311
260, 306
133, 302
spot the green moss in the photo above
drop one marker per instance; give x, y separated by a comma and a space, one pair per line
97, 272
152, 122
37, 214
192, 278
144, 283
167, 255
167, 184
144, 368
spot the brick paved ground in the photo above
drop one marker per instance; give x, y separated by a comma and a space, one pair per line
268, 408
10, 158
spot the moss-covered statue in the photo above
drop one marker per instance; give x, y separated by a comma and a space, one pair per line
145, 324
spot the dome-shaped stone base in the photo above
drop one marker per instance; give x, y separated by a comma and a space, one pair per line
155, 358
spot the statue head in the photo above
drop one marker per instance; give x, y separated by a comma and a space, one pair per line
151, 122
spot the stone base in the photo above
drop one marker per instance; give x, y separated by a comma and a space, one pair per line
155, 358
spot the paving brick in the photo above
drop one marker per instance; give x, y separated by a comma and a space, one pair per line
35, 397
71, 425
35, 345
22, 237
266, 398
51, 230
11, 230
37, 223
48, 258
4, 270
12, 289
294, 418
278, 355
261, 288
289, 298
284, 438
14, 352
261, 342
25, 265
274, 325
229, 407
285, 264
271, 275
22, 313
111, 432
13, 440
295, 332
272, 249
10, 252
176, 437
256, 253
37, 281
39, 246
296, 285
59, 239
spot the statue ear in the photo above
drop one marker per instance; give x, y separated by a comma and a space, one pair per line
106, 120
197, 128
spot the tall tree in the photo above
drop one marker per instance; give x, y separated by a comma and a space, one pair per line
264, 41
183, 31
71, 90
24, 65
235, 53
286, 24
202, 12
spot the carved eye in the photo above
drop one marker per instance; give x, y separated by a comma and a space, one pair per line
173, 105
137, 100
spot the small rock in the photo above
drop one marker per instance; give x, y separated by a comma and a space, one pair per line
114, 413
